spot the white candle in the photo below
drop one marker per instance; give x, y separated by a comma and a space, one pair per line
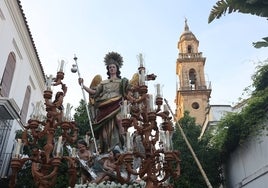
136, 95
142, 77
162, 136
141, 60
125, 109
167, 141
162, 140
18, 148
165, 108
49, 82
68, 106
61, 65
73, 152
158, 94
59, 146
86, 139
67, 116
151, 103
128, 142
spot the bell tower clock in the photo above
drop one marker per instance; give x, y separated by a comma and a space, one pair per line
192, 91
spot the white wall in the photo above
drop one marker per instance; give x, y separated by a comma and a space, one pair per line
214, 115
248, 164
15, 37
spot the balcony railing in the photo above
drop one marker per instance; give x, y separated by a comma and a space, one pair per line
201, 87
190, 55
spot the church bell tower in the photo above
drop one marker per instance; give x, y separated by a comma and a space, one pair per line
193, 93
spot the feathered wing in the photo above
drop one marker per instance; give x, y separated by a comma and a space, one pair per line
94, 83
134, 80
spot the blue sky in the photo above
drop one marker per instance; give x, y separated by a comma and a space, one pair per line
92, 28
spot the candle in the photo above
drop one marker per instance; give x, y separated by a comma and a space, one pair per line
86, 139
49, 82
38, 110
59, 146
67, 116
141, 60
162, 136
73, 152
151, 103
125, 108
167, 141
136, 95
142, 77
165, 108
128, 142
158, 94
162, 139
61, 65
18, 146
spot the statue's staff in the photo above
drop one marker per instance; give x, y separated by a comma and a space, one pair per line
74, 70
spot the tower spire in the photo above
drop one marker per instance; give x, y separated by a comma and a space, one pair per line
186, 27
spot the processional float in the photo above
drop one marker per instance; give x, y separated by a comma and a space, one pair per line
148, 156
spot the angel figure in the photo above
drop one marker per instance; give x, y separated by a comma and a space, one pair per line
105, 98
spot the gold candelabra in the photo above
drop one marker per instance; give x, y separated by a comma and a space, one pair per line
46, 136
149, 154
152, 159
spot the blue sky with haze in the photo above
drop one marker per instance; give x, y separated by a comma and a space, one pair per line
91, 28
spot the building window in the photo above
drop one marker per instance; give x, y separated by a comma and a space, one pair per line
195, 105
8, 75
192, 79
189, 49
25, 106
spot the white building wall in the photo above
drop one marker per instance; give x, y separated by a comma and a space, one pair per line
15, 37
214, 115
248, 164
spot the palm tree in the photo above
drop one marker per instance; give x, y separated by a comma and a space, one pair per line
254, 7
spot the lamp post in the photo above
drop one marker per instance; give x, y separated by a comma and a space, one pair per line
47, 137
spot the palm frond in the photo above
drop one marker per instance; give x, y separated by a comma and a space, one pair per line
261, 44
254, 7
218, 10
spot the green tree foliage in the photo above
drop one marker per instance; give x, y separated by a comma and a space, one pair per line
237, 127
81, 119
260, 78
261, 44
254, 7
25, 178
208, 157
227, 136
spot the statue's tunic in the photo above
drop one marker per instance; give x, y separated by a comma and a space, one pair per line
108, 97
